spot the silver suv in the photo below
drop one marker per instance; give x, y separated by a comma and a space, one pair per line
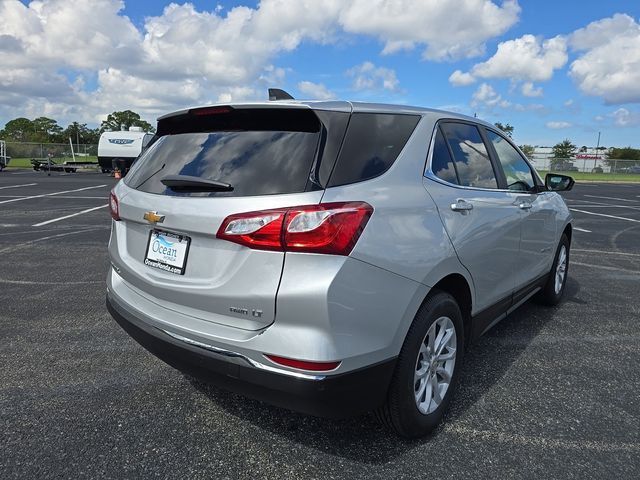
331, 257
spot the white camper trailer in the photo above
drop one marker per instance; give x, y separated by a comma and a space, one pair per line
120, 149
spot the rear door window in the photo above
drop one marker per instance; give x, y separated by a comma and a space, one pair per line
442, 164
372, 143
472, 161
257, 152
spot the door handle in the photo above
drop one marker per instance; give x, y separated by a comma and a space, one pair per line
461, 206
525, 205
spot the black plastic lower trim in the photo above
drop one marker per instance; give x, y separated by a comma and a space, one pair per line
487, 318
335, 396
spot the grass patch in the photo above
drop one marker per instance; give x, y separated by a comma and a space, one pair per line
599, 177
26, 162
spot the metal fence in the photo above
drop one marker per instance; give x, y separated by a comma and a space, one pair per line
587, 165
43, 150
540, 162
3, 154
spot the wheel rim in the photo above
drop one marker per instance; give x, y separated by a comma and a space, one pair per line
561, 269
434, 365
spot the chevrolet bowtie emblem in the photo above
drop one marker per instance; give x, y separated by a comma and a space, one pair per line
153, 217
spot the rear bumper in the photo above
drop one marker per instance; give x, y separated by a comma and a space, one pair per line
334, 396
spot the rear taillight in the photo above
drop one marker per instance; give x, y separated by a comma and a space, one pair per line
114, 207
331, 228
303, 364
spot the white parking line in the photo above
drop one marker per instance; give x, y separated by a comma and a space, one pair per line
598, 205
600, 252
69, 216
604, 215
612, 198
582, 230
16, 186
540, 442
66, 196
50, 194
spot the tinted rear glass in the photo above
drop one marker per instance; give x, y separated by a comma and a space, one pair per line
472, 160
441, 162
372, 143
264, 159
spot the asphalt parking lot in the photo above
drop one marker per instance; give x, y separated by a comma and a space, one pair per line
548, 393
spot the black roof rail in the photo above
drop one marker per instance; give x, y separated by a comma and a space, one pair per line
278, 94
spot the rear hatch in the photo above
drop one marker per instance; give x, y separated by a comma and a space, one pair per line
165, 244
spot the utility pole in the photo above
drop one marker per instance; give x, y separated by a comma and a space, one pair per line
595, 161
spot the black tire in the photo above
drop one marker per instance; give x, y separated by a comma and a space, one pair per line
548, 295
400, 412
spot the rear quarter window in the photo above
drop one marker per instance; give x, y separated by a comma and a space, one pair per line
372, 143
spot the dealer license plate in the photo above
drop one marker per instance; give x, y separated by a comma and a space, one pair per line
167, 251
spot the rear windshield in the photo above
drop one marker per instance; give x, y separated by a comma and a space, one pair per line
261, 154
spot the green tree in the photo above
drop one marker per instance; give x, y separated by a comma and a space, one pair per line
562, 152
77, 132
93, 135
564, 149
117, 120
528, 150
506, 128
626, 153
46, 130
19, 130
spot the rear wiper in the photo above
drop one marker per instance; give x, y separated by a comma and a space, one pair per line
187, 183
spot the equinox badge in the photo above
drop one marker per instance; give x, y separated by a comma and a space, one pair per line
153, 217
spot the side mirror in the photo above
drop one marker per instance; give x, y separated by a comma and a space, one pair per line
558, 183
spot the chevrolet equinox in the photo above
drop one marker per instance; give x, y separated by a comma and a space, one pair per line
331, 257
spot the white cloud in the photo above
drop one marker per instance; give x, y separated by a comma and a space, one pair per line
485, 95
625, 118
528, 90
610, 64
185, 56
527, 58
558, 125
461, 79
448, 30
369, 77
273, 76
316, 91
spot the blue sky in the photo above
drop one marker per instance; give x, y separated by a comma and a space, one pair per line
554, 70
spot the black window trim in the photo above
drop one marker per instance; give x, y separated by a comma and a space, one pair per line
495, 162
429, 172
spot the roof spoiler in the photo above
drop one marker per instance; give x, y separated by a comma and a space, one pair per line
278, 94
